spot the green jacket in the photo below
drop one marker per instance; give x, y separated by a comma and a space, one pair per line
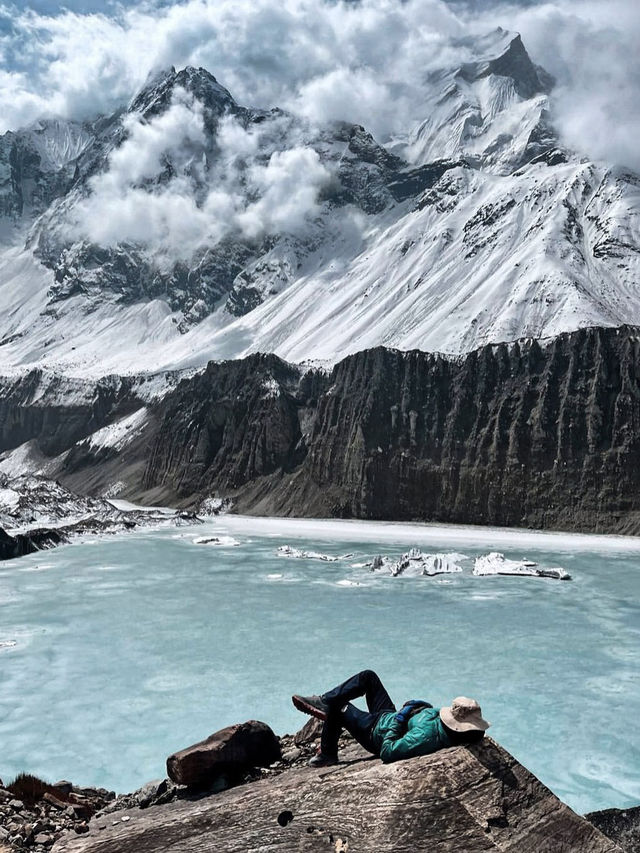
423, 734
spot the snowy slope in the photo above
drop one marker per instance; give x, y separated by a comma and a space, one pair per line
474, 226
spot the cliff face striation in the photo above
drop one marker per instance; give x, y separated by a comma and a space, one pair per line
534, 434
520, 434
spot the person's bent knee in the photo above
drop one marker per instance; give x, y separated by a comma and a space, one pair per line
370, 675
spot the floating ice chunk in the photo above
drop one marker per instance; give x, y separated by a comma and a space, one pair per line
497, 564
347, 582
7, 644
415, 563
288, 551
223, 541
274, 577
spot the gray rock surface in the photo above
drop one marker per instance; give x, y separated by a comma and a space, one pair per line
462, 799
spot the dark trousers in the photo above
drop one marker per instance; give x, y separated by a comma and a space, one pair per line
344, 715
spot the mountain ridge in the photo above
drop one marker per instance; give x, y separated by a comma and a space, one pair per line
518, 434
310, 241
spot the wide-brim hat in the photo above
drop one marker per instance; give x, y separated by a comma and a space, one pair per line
464, 715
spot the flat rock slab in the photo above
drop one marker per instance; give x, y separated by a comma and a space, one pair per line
465, 800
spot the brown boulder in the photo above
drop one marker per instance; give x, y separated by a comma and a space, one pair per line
226, 752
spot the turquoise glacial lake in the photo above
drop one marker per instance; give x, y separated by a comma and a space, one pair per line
117, 651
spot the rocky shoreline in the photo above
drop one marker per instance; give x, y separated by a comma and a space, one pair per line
38, 814
37, 514
477, 799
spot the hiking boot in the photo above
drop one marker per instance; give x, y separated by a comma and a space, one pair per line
321, 760
315, 706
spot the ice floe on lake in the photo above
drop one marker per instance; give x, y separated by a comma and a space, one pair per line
288, 551
222, 541
497, 564
416, 563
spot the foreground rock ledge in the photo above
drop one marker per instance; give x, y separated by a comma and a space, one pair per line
462, 799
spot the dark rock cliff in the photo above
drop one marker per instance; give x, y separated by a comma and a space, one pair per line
513, 434
58, 412
234, 423
526, 434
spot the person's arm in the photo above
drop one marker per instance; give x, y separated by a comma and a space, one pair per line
400, 743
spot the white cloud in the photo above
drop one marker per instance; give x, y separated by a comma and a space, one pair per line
197, 205
288, 186
364, 62
591, 48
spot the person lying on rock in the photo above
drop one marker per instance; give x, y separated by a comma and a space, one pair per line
417, 729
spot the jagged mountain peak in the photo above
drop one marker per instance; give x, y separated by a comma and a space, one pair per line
156, 94
488, 109
503, 53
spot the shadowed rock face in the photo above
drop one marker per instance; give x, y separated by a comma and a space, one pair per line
28, 543
462, 799
621, 825
234, 423
55, 411
516, 434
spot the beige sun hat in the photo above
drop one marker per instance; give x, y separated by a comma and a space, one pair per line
464, 715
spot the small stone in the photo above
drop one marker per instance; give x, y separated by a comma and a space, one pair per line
292, 754
54, 801
102, 826
16, 805
43, 838
82, 810
81, 828
148, 793
125, 818
63, 786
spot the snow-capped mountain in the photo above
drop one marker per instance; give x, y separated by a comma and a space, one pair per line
187, 227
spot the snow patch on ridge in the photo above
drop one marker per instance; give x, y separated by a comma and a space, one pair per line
119, 434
